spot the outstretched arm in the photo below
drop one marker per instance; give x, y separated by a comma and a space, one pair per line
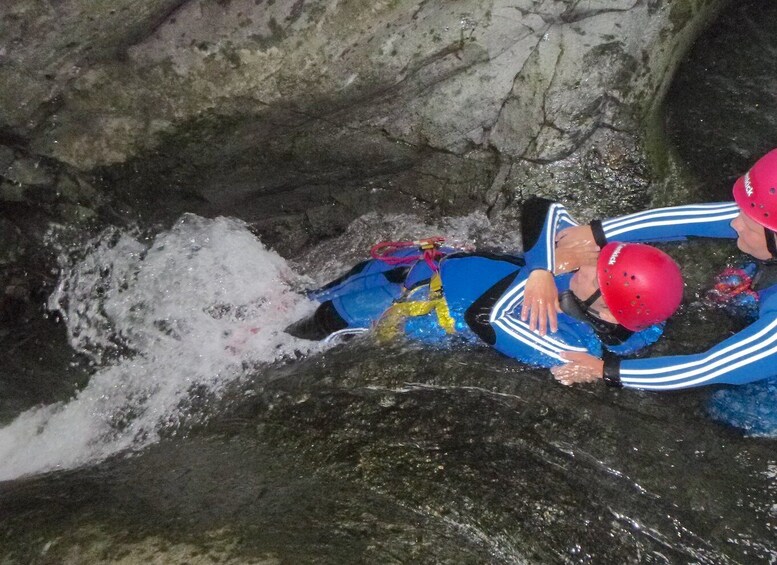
662, 224
747, 356
674, 224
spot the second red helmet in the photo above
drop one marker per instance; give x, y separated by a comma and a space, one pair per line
756, 191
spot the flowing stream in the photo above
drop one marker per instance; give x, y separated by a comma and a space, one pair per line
163, 324
167, 326
160, 414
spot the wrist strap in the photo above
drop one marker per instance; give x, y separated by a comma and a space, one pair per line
612, 370
598, 231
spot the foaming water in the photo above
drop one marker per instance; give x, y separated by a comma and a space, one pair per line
172, 322
195, 310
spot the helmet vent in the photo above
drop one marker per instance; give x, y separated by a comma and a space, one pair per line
772, 190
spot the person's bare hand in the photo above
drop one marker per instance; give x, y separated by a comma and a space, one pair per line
575, 247
580, 368
540, 302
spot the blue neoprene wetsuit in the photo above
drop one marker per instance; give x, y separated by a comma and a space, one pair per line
484, 295
749, 355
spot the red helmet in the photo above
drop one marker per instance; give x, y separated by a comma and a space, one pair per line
756, 191
640, 284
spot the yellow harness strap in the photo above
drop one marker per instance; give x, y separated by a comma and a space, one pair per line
388, 325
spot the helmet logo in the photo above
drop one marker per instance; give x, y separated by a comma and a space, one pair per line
748, 184
614, 256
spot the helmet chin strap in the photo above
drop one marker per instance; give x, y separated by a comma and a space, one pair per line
610, 333
771, 242
588, 302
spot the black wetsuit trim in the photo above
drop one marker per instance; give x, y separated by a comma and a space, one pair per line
533, 214
771, 244
322, 323
598, 232
516, 260
611, 375
478, 314
397, 275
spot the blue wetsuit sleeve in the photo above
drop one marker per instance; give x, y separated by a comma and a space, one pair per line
514, 338
747, 356
541, 220
674, 224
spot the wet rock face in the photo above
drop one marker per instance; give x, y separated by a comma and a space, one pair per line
733, 70
45, 45
308, 113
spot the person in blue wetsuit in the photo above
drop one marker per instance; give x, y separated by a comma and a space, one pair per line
749, 355
618, 305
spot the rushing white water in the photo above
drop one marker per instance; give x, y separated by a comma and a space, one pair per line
183, 316
194, 311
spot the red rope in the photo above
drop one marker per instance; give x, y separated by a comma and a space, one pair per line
428, 251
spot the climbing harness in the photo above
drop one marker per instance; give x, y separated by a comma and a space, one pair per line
428, 250
388, 326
